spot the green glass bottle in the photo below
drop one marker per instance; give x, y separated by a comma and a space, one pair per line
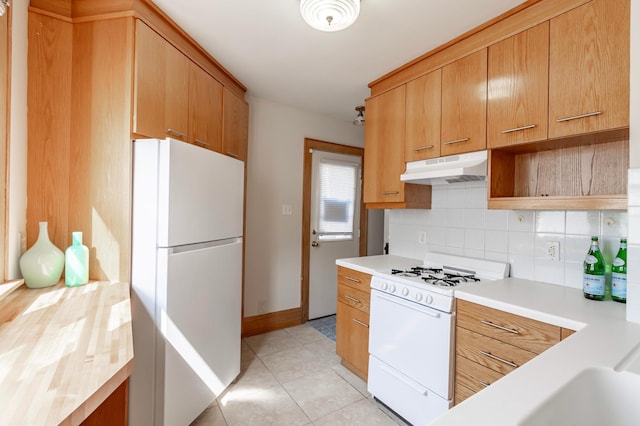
593, 282
76, 262
619, 274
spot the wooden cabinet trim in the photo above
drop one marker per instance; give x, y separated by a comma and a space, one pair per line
91, 10
514, 21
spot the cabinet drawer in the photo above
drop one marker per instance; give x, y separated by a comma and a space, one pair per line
531, 335
474, 376
461, 392
356, 279
353, 297
352, 339
488, 352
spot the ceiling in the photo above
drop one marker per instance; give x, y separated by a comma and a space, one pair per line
267, 45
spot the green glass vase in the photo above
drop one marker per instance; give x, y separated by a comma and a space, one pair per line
42, 264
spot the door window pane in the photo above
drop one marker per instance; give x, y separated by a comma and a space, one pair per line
337, 195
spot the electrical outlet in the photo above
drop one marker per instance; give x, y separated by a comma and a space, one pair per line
422, 237
553, 250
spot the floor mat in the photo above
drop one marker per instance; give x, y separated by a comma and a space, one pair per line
325, 325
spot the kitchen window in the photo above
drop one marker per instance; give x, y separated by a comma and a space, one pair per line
337, 197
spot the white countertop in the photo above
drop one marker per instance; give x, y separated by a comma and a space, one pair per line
604, 339
373, 264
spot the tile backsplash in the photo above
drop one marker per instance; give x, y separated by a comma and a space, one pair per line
460, 223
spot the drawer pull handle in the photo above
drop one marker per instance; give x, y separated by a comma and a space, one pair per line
497, 358
355, 280
510, 330
517, 129
575, 117
353, 299
357, 321
390, 192
176, 133
484, 384
231, 154
455, 141
422, 148
201, 142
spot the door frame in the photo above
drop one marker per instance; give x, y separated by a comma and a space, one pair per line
309, 145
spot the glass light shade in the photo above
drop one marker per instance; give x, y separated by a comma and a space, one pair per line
330, 15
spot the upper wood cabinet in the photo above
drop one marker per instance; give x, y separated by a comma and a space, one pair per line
384, 147
464, 104
423, 114
205, 109
517, 105
384, 138
161, 87
235, 137
589, 69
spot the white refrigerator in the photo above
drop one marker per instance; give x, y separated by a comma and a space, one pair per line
186, 279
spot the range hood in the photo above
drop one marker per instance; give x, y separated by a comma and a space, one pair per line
467, 167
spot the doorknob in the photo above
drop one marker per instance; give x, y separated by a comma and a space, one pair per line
314, 244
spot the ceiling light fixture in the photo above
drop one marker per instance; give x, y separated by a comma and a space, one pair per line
359, 121
330, 15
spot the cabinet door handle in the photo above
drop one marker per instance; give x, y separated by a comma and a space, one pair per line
517, 129
497, 358
176, 133
484, 384
201, 142
231, 154
390, 192
510, 330
357, 321
353, 299
355, 280
455, 141
575, 117
422, 148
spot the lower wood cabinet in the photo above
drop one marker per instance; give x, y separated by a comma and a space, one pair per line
352, 320
491, 343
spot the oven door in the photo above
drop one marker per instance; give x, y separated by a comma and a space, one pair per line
413, 339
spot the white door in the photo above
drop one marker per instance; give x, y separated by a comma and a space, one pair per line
335, 224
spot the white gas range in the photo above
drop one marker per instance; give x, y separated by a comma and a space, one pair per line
411, 335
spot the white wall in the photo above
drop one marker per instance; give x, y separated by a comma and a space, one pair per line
460, 223
273, 241
17, 186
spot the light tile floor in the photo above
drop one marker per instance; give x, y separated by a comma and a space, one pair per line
294, 377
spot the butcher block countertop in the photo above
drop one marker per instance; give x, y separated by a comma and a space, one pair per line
63, 351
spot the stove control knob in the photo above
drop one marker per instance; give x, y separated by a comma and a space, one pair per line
429, 299
385, 285
405, 292
392, 288
418, 297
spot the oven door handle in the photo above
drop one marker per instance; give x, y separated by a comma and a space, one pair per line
421, 390
393, 299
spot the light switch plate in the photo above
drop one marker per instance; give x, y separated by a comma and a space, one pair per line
287, 209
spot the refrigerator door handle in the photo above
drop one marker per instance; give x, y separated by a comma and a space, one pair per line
200, 246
